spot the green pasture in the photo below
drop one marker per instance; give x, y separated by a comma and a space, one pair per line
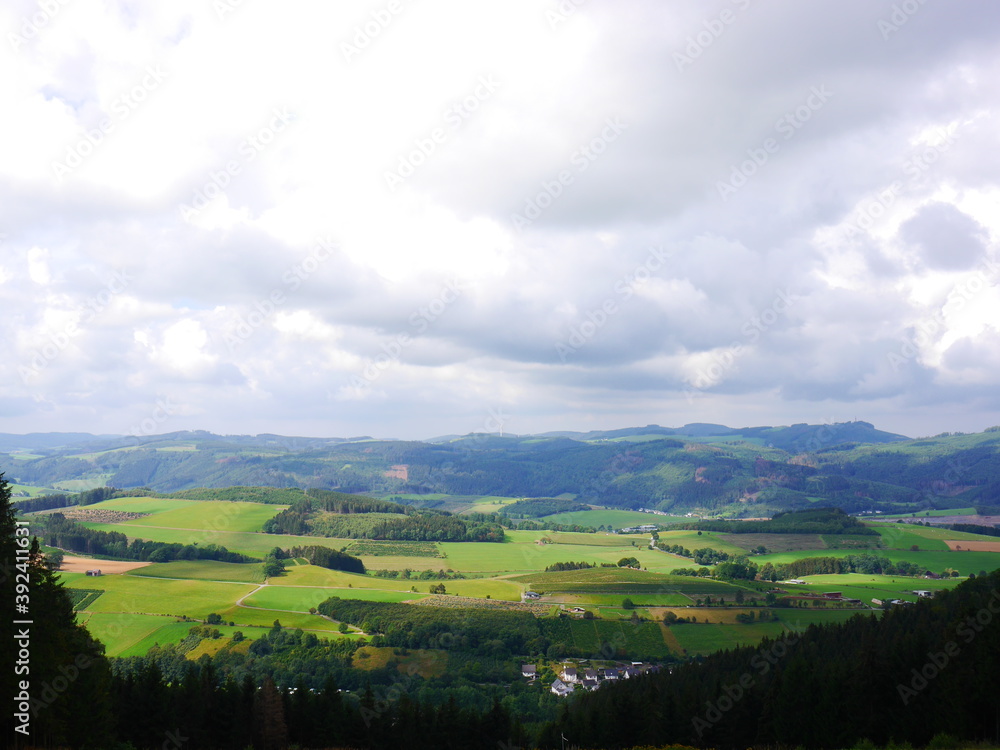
396, 562
773, 542
714, 540
624, 582
706, 639
617, 519
490, 504
964, 561
244, 542
302, 599
154, 596
666, 599
612, 638
527, 556
142, 504
265, 618
933, 513
212, 516
21, 491
903, 535
619, 541
868, 587
208, 570
800, 619
91, 482
311, 575
120, 632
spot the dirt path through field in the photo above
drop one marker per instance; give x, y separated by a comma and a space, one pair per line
73, 564
671, 640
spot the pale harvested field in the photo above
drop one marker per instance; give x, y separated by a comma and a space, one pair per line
73, 564
973, 546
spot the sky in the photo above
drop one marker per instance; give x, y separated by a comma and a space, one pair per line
411, 218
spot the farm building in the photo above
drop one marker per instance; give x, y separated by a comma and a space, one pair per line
923, 594
532, 595
94, 572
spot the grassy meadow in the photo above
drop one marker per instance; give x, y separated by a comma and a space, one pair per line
147, 605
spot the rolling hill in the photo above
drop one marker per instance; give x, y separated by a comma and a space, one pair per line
701, 468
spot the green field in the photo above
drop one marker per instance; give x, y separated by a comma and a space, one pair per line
134, 635
620, 582
208, 516
313, 576
142, 504
135, 594
706, 639
208, 570
868, 587
140, 608
289, 598
934, 513
521, 556
244, 542
617, 519
722, 542
611, 638
666, 599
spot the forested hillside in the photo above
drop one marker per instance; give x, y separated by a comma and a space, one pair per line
704, 468
917, 672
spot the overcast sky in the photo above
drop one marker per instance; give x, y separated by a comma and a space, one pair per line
405, 219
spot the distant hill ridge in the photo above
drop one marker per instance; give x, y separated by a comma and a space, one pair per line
700, 468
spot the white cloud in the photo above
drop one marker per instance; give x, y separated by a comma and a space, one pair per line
299, 263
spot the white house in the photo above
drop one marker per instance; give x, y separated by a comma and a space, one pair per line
561, 689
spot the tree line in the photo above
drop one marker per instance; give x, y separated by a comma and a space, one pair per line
328, 558
62, 532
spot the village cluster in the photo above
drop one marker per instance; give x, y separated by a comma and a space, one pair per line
572, 676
